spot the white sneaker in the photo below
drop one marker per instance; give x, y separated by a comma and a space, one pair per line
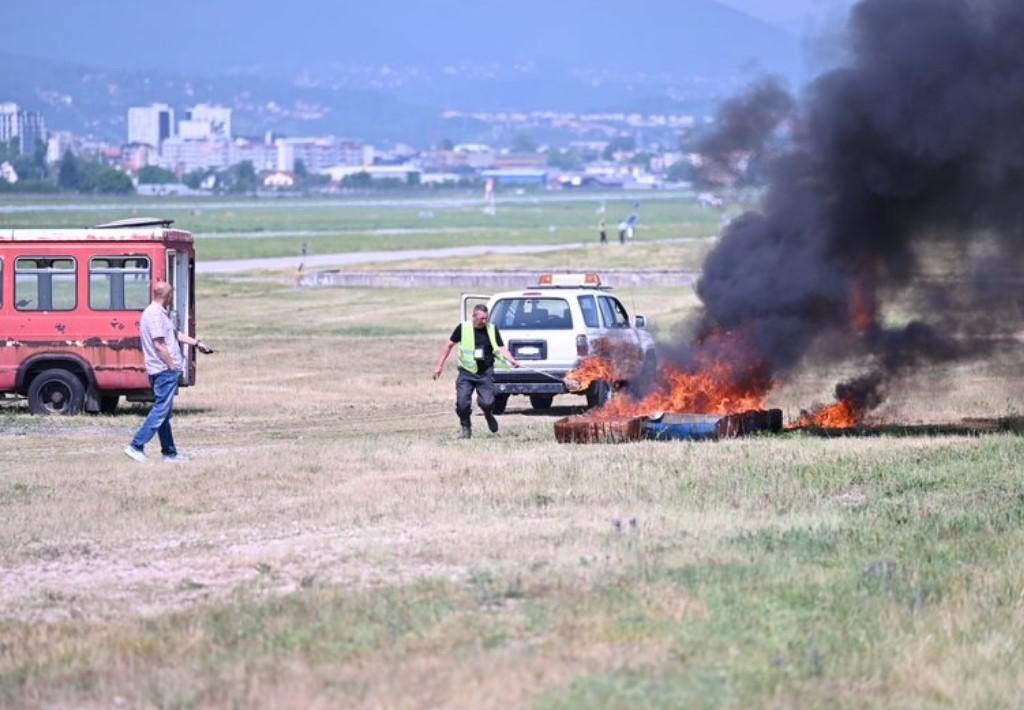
133, 453
177, 458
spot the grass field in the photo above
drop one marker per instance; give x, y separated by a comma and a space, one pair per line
332, 543
686, 254
253, 229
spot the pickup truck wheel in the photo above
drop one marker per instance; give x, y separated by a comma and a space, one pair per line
500, 402
108, 404
56, 391
541, 401
598, 393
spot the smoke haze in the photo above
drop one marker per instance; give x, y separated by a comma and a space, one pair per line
916, 145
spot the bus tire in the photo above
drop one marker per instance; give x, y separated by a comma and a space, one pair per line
56, 391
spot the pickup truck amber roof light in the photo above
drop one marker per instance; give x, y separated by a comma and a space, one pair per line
588, 279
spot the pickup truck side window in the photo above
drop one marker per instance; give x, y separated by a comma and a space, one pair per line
613, 313
621, 317
588, 304
45, 283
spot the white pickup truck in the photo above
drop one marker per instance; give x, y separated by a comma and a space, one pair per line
552, 327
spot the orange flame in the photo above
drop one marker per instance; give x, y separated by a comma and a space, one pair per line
715, 390
591, 370
841, 415
721, 381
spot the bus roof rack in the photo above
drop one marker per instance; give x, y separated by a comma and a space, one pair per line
136, 222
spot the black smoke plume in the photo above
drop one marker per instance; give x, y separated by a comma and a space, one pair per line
744, 126
916, 146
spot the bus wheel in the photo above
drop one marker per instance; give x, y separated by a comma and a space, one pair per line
56, 392
108, 404
500, 402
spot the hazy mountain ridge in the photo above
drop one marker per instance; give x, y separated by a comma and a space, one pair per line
385, 69
560, 37
95, 101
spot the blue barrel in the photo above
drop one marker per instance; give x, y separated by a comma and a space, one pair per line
689, 427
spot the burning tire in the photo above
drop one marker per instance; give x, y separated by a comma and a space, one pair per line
598, 393
541, 401
56, 391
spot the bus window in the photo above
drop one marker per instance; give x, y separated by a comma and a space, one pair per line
171, 276
1, 283
45, 283
119, 283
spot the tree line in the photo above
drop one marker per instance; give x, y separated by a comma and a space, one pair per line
72, 173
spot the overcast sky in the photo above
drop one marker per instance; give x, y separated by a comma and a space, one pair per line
794, 15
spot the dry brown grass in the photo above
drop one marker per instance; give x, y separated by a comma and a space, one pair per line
331, 543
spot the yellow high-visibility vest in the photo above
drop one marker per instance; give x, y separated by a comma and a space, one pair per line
467, 347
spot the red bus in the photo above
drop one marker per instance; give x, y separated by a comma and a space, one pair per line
70, 302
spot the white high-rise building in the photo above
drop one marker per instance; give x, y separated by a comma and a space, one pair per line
318, 154
150, 125
183, 155
26, 127
218, 118
194, 130
57, 144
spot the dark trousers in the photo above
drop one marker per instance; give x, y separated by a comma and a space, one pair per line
165, 386
483, 383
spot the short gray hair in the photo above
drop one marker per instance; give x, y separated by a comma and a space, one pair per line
480, 308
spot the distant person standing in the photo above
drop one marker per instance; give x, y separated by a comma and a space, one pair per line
480, 344
631, 223
622, 232
604, 233
162, 350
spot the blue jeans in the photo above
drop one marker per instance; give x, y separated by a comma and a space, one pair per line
165, 386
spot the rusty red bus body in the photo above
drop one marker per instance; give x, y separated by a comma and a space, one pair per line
71, 299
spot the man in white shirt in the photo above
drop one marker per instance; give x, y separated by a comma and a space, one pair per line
160, 346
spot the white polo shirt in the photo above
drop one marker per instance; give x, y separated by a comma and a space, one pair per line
156, 323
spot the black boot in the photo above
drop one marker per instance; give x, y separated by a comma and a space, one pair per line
467, 429
492, 423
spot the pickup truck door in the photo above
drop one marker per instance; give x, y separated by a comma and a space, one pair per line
615, 319
468, 301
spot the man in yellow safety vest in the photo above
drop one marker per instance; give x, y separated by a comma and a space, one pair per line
480, 345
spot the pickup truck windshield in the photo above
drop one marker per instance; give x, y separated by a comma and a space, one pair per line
532, 314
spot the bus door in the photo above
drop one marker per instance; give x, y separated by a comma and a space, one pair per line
179, 275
